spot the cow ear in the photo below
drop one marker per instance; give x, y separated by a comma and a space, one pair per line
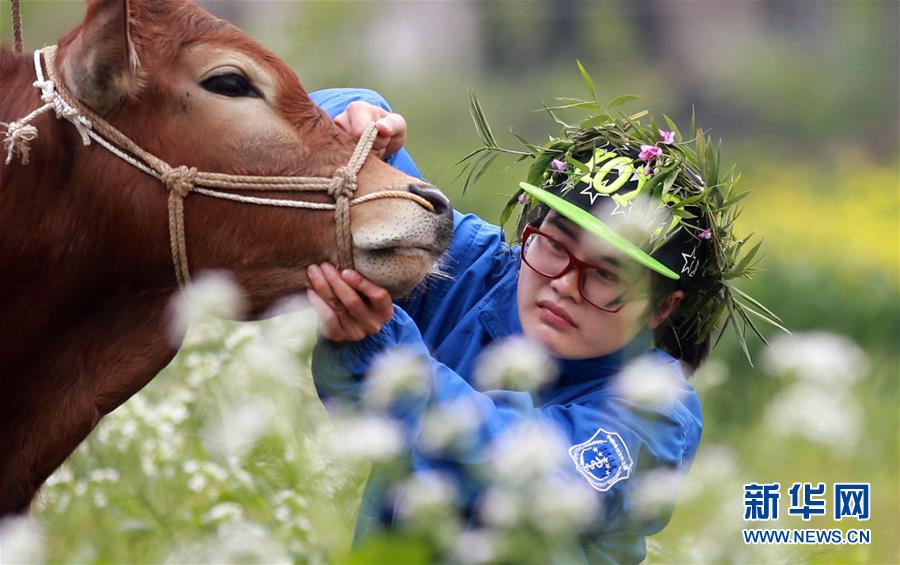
100, 66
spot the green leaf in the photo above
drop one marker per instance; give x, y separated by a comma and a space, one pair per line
682, 213
742, 336
747, 258
587, 79
530, 147
749, 321
762, 316
508, 209
637, 116
656, 179
393, 548
481, 123
623, 99
472, 154
573, 105
484, 167
673, 127
734, 200
753, 301
477, 169
670, 182
554, 117
595, 121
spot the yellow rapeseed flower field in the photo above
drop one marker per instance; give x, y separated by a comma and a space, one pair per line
844, 215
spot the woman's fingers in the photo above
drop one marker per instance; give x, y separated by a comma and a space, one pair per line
329, 324
391, 127
351, 306
320, 284
379, 298
362, 314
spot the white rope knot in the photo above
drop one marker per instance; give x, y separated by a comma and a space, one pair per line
63, 110
343, 183
180, 180
18, 134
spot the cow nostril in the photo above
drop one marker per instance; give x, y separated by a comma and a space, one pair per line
434, 196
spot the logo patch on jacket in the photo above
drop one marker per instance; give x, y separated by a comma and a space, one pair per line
604, 459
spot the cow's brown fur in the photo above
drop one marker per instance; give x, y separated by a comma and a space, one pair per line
86, 267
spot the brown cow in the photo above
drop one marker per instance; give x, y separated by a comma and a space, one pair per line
86, 265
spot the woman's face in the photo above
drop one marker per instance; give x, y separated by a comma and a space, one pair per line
554, 312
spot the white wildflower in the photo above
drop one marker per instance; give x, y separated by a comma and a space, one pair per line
128, 429
715, 465
61, 476
293, 325
712, 373
302, 523
148, 466
501, 507
197, 482
527, 450
825, 416
242, 335
21, 541
215, 471
655, 491
275, 361
562, 505
282, 514
450, 425
818, 357
289, 499
364, 438
212, 293
425, 495
241, 425
224, 512
103, 475
514, 363
476, 546
100, 500
395, 374
246, 542
648, 382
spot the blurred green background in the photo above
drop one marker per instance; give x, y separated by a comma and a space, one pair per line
804, 95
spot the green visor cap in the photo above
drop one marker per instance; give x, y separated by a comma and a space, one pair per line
594, 225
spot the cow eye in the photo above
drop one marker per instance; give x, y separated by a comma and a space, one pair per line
231, 84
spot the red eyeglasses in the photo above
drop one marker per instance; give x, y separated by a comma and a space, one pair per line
546, 256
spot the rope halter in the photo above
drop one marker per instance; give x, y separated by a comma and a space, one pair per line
183, 181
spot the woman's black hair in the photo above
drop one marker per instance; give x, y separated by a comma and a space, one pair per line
683, 345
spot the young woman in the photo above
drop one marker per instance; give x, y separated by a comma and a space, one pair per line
607, 272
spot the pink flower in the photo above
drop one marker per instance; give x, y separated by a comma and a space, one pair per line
668, 137
705, 234
521, 199
648, 170
558, 165
648, 152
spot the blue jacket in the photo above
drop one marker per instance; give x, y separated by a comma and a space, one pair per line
452, 320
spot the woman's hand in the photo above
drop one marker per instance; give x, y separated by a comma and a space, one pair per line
391, 127
350, 307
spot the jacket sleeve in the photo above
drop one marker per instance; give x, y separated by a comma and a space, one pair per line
335, 100
610, 440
